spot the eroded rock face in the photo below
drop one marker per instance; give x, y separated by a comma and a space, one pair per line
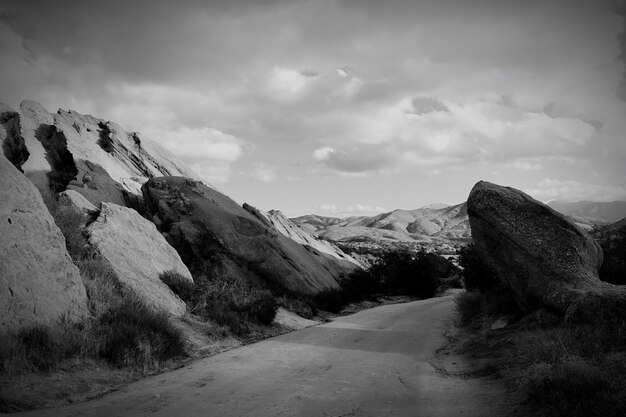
91, 156
138, 254
214, 235
334, 259
38, 281
540, 255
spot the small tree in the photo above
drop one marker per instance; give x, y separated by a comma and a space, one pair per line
477, 275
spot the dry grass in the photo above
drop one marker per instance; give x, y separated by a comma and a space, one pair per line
233, 304
562, 369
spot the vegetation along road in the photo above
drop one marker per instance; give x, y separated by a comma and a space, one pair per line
387, 361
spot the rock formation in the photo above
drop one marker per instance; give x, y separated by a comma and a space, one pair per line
38, 281
334, 259
214, 235
91, 156
540, 255
138, 254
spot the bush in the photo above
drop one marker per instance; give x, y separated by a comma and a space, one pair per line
232, 303
332, 300
469, 307
179, 285
133, 334
477, 275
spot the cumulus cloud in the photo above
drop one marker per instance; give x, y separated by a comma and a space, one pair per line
423, 105
262, 172
349, 210
573, 190
209, 152
358, 159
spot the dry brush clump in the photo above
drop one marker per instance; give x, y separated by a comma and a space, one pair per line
121, 330
561, 368
231, 303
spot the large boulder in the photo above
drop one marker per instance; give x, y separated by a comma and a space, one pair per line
38, 281
539, 254
138, 254
216, 236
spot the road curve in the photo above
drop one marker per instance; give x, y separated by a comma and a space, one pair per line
378, 362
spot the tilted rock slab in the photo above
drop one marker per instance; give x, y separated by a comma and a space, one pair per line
94, 157
138, 254
216, 236
338, 263
539, 254
38, 281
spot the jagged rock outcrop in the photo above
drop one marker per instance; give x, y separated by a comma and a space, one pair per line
38, 281
215, 236
138, 254
336, 261
541, 256
91, 156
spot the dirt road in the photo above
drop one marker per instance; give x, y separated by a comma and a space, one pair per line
386, 361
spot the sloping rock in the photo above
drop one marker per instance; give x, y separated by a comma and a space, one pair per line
91, 156
215, 236
77, 202
540, 255
276, 219
138, 254
38, 281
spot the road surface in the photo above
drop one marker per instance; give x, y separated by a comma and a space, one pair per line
386, 361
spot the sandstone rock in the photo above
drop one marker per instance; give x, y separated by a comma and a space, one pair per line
215, 236
38, 281
91, 156
330, 256
138, 254
540, 255
77, 202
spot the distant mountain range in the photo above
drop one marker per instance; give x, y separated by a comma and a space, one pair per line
438, 222
611, 211
429, 223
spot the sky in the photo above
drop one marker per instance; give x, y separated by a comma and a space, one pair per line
343, 107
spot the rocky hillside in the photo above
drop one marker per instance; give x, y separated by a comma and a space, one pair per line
216, 236
99, 173
94, 157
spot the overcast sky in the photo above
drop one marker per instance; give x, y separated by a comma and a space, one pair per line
342, 107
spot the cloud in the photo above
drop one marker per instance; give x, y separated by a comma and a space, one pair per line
423, 105
326, 209
357, 159
262, 172
349, 210
573, 190
201, 144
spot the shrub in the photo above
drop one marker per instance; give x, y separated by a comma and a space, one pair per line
232, 303
71, 223
571, 388
332, 300
179, 285
477, 275
133, 334
469, 307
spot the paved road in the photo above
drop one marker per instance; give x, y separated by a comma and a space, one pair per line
378, 362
